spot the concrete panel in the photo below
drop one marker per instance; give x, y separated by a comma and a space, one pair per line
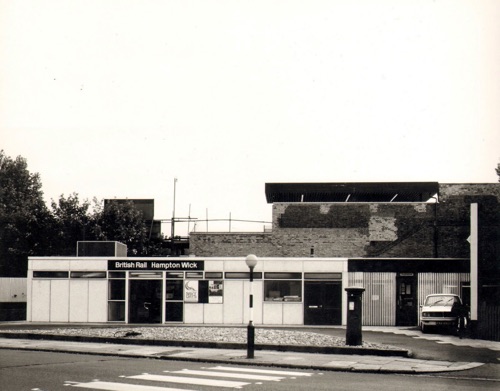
98, 300
282, 266
88, 265
78, 301
213, 313
59, 301
52, 264
293, 313
273, 313
40, 301
233, 302
323, 266
193, 313
214, 266
238, 266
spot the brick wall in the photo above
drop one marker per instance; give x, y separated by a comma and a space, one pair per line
213, 244
364, 229
355, 229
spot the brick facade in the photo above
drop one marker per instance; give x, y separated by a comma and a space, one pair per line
343, 229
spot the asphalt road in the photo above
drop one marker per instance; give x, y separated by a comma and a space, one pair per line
43, 371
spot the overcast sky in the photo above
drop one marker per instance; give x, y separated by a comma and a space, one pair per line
117, 98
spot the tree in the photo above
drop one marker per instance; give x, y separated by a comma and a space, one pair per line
71, 223
24, 217
121, 222
498, 171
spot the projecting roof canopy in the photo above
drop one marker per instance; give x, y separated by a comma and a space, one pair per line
351, 192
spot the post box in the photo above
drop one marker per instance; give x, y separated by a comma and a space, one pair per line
354, 335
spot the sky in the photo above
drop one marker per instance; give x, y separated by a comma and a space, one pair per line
116, 98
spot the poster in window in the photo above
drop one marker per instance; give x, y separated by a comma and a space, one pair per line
191, 291
215, 291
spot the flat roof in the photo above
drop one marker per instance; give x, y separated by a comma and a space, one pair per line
351, 192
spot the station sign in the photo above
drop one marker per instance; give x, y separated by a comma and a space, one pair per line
156, 265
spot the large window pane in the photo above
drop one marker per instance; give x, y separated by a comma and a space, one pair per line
174, 311
116, 290
116, 311
288, 291
173, 290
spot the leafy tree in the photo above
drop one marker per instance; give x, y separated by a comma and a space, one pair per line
29, 228
71, 223
24, 217
122, 222
498, 171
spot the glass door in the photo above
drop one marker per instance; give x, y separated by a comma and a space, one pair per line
144, 303
406, 302
174, 300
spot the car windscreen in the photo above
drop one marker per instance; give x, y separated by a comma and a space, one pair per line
440, 300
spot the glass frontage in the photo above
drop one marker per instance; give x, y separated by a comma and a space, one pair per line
174, 297
145, 298
116, 297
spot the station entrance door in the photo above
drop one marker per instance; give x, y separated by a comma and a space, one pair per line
145, 301
406, 302
322, 302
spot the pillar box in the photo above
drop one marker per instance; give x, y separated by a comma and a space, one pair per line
354, 316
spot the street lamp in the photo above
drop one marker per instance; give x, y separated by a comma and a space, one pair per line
251, 261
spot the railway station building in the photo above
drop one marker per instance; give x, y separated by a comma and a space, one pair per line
400, 241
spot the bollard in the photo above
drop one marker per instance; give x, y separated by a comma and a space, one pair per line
354, 316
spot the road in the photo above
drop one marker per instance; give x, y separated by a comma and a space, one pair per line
47, 371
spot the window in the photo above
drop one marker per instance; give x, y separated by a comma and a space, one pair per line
88, 274
174, 290
243, 275
116, 274
323, 276
50, 274
283, 291
194, 274
145, 275
116, 290
214, 275
116, 311
283, 276
116, 297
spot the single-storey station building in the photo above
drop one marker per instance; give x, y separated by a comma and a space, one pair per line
193, 290
399, 241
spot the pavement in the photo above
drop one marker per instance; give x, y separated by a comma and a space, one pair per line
284, 359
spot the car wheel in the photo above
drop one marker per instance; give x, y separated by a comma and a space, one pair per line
424, 328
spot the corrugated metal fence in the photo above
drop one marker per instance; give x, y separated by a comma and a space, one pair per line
429, 283
379, 298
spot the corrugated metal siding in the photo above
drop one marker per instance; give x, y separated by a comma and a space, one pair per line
379, 298
13, 290
429, 283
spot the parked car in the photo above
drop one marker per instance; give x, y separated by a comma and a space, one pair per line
443, 310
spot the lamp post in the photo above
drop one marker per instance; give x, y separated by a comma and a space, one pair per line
251, 261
